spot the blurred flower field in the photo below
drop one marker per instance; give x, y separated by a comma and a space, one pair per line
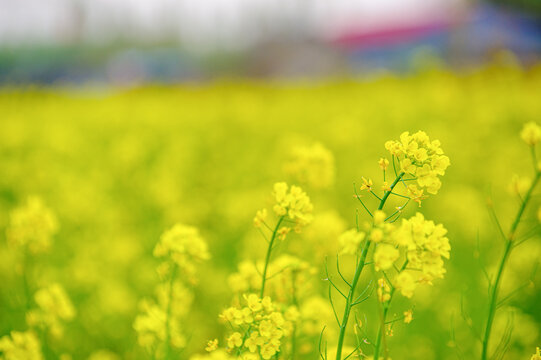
127, 217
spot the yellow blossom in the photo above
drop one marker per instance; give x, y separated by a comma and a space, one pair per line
385, 256
416, 194
234, 340
312, 165
408, 316
54, 308
379, 217
293, 203
350, 241
367, 184
282, 232
184, 246
20, 346
420, 158
384, 291
519, 185
32, 225
537, 355
260, 217
212, 345
406, 284
268, 326
426, 246
383, 163
376, 235
531, 133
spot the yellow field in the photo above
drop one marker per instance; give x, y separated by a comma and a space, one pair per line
118, 168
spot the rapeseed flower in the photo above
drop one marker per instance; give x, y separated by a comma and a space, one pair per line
32, 226
20, 346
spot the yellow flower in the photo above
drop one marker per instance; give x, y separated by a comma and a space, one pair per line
416, 194
385, 186
385, 256
383, 164
254, 302
390, 331
407, 166
379, 217
293, 203
408, 316
312, 165
151, 327
537, 355
260, 217
350, 241
268, 326
367, 184
32, 225
426, 246
234, 340
406, 284
183, 246
212, 345
20, 346
376, 235
384, 291
421, 158
54, 307
282, 232
531, 133
519, 185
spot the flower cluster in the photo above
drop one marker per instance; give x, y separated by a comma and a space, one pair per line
158, 324
19, 346
154, 328
32, 225
54, 308
312, 165
260, 328
531, 133
537, 355
350, 241
183, 246
421, 158
292, 203
316, 245
376, 231
315, 313
385, 256
426, 245
384, 290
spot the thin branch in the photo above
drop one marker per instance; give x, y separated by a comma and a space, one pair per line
339, 272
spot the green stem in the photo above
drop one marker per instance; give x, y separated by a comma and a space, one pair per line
493, 298
26, 283
358, 271
386, 306
168, 314
296, 304
267, 258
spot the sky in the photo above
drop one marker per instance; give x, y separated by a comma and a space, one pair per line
206, 23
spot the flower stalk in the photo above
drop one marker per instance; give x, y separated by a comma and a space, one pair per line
509, 243
358, 271
268, 256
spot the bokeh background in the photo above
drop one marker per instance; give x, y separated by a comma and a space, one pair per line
126, 117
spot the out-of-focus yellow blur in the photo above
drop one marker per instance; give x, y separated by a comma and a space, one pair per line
117, 169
